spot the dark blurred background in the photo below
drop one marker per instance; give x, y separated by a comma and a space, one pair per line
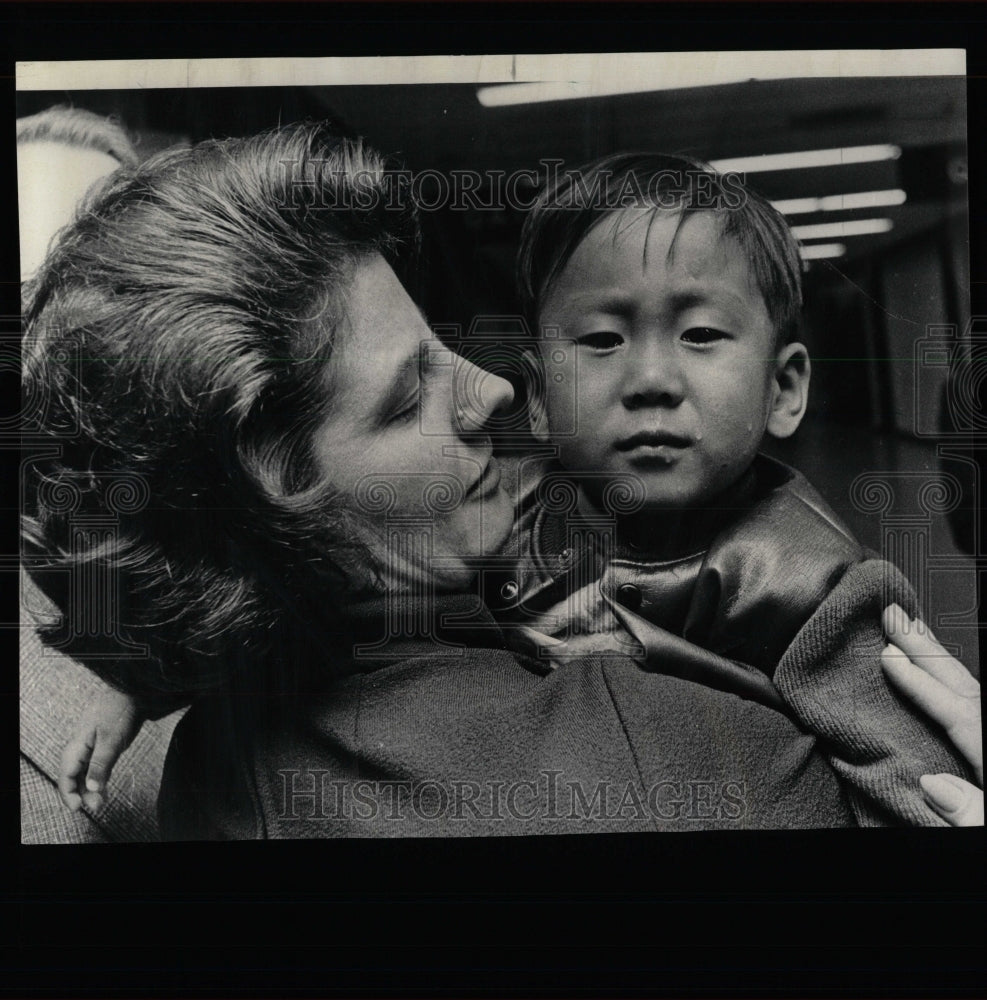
882, 400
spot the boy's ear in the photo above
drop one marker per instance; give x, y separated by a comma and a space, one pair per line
537, 413
790, 390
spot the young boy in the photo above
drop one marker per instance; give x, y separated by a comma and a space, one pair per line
667, 302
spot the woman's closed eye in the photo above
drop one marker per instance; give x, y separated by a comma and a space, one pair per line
406, 415
408, 410
601, 340
704, 335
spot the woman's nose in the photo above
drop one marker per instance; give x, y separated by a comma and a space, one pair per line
654, 378
477, 395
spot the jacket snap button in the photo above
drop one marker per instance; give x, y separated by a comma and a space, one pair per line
629, 596
509, 590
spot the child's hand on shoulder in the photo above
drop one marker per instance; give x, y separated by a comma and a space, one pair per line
107, 727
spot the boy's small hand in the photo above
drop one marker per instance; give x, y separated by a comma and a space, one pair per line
107, 727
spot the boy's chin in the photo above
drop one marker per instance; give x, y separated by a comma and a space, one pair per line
673, 505
666, 496
624, 500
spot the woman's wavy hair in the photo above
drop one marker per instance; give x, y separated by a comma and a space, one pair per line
78, 128
178, 336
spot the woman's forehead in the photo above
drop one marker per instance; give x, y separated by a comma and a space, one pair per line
379, 315
380, 329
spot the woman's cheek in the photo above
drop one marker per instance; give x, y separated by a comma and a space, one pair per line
409, 450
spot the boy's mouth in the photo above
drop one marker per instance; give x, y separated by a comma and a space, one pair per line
652, 440
653, 447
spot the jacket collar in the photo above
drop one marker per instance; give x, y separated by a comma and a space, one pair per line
674, 537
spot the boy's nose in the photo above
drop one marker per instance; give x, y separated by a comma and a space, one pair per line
478, 394
653, 380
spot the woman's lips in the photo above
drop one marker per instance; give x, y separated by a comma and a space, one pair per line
487, 484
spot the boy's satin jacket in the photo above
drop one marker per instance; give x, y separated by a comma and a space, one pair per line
767, 596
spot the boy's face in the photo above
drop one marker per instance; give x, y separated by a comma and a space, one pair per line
678, 374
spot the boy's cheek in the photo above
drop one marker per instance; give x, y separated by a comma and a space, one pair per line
564, 416
578, 455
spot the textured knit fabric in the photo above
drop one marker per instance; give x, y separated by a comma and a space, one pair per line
832, 679
44, 818
425, 739
778, 604
54, 691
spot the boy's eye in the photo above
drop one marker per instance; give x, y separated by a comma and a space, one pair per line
703, 335
605, 340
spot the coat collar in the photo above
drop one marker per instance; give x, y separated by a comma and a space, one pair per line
674, 537
394, 627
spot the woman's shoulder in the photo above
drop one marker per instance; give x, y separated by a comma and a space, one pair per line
479, 722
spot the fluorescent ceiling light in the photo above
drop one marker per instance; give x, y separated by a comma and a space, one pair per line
508, 94
841, 202
807, 158
829, 230
819, 251
565, 76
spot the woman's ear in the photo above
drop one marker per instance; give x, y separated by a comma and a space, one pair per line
535, 386
790, 390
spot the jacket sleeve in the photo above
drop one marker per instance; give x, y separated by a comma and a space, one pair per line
831, 678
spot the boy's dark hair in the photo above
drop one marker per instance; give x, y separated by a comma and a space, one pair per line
178, 336
570, 207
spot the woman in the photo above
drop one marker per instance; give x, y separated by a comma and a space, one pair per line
224, 335
941, 687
